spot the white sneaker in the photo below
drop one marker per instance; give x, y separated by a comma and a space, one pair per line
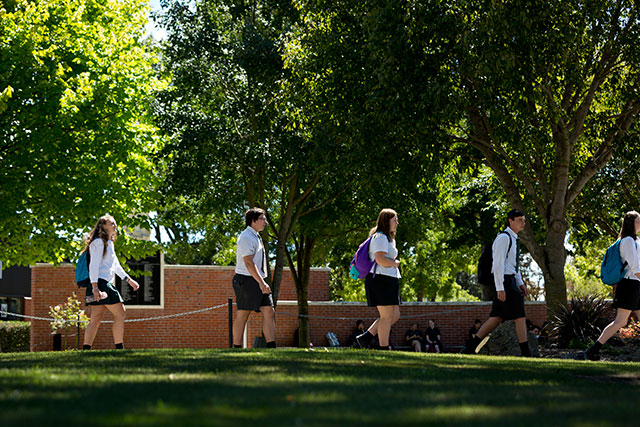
482, 343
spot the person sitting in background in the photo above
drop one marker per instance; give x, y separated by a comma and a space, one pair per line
432, 335
359, 330
472, 332
414, 338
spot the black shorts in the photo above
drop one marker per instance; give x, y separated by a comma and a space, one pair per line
627, 295
513, 305
382, 290
113, 296
249, 296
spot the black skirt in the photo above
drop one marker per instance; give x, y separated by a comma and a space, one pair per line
513, 306
382, 290
627, 295
113, 296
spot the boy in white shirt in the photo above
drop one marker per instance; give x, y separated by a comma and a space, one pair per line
508, 304
252, 292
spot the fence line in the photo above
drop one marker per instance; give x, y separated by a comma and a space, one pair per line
143, 319
308, 316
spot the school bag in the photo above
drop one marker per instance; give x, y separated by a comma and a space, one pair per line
332, 339
612, 267
82, 269
361, 265
485, 263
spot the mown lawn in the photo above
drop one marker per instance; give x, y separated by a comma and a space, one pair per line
297, 387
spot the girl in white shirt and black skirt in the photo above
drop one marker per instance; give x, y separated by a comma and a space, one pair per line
103, 295
627, 291
382, 284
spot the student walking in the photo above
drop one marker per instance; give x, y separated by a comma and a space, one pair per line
103, 295
252, 292
627, 291
508, 304
382, 284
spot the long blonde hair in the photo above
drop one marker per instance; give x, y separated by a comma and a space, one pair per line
383, 224
99, 232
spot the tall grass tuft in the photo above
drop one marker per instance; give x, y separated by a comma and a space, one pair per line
580, 322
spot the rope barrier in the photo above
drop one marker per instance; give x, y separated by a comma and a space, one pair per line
308, 316
143, 319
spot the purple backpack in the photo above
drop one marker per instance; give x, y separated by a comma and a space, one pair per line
361, 265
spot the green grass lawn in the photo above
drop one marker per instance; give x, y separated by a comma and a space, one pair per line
297, 387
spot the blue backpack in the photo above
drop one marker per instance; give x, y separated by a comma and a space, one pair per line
612, 267
82, 269
361, 265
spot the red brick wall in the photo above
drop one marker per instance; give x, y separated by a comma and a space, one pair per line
186, 288
453, 318
28, 309
189, 288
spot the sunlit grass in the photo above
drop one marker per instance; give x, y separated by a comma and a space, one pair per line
298, 387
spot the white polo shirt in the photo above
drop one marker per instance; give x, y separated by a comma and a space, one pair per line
380, 243
250, 243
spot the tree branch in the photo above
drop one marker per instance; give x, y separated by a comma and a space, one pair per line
605, 151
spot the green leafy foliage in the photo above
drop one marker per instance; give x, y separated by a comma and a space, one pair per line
15, 336
541, 93
583, 269
75, 136
430, 271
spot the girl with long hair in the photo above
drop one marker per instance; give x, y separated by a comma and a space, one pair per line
627, 291
382, 284
103, 295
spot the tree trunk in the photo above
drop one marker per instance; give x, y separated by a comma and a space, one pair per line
552, 266
301, 271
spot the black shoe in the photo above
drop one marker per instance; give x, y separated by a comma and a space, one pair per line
591, 356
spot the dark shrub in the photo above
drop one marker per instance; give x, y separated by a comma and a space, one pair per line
15, 336
581, 321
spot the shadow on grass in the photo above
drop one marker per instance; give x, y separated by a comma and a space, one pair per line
294, 387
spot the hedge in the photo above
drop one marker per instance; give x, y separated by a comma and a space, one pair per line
15, 336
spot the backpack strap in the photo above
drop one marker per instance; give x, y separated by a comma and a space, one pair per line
375, 264
510, 243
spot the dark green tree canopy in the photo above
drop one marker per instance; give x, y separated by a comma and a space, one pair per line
543, 93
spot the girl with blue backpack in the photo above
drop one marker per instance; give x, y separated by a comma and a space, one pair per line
102, 295
382, 285
627, 291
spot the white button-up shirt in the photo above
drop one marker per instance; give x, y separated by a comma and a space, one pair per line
629, 253
503, 262
250, 243
104, 267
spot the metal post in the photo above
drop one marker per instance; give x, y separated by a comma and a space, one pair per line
230, 322
78, 336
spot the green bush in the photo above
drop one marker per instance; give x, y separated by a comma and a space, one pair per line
581, 321
15, 336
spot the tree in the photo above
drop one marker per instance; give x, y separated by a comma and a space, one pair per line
75, 137
237, 139
551, 114
542, 93
245, 131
